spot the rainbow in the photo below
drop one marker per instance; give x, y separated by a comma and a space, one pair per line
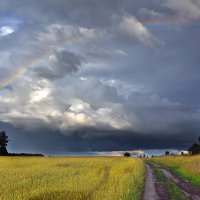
23, 70
170, 21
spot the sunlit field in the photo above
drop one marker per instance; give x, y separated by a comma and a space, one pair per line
85, 178
187, 167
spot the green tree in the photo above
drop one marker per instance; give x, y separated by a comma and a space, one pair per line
194, 149
127, 154
167, 153
3, 143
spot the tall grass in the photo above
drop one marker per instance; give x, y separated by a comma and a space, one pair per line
187, 167
71, 178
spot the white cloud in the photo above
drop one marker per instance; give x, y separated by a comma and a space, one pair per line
120, 153
132, 28
40, 103
78, 106
39, 94
62, 35
149, 14
6, 30
187, 9
80, 114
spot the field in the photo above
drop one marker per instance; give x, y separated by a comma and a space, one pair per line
70, 178
187, 167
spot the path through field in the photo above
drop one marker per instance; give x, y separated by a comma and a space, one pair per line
150, 190
155, 190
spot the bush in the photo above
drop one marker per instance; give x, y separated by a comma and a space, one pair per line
127, 154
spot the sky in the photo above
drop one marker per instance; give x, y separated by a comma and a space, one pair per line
99, 75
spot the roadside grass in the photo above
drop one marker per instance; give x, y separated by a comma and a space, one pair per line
186, 167
175, 191
160, 177
58, 178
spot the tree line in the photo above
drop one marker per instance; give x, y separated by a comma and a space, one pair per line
193, 150
3, 147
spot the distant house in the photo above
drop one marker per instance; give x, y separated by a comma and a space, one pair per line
184, 153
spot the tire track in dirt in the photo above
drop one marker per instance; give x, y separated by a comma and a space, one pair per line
187, 188
149, 189
191, 191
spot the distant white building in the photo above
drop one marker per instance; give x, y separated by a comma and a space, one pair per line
184, 152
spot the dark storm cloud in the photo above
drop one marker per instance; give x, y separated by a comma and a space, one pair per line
62, 63
102, 74
54, 143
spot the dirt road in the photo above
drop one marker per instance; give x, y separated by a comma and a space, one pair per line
158, 191
149, 190
187, 188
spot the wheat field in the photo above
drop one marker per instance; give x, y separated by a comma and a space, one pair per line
71, 178
187, 167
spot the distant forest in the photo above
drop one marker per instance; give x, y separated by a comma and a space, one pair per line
193, 150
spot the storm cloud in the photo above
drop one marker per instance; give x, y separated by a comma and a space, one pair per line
105, 75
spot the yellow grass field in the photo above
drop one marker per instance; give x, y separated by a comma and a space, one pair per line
70, 178
187, 167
